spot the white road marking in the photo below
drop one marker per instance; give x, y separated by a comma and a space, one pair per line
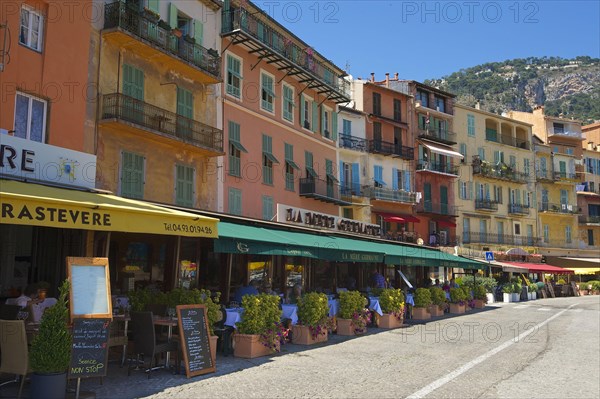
521, 306
545, 309
467, 366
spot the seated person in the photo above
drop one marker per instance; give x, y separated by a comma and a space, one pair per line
293, 294
250, 289
39, 304
26, 296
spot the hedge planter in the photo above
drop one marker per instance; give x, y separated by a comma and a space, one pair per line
249, 346
479, 303
456, 308
515, 297
490, 298
213, 348
346, 327
583, 292
301, 335
388, 320
506, 297
421, 314
435, 311
48, 386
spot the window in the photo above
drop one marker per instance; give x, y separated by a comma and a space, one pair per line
559, 128
288, 103
498, 157
590, 234
481, 153
268, 159
423, 98
463, 150
235, 149
564, 197
378, 176
397, 110
267, 92
543, 167
512, 161
290, 167
307, 113
234, 76
308, 162
235, 201
267, 207
325, 124
377, 135
569, 151
498, 194
526, 166
440, 104
376, 104
346, 127
568, 237
331, 179
471, 125
546, 233
32, 24
184, 185
462, 190
132, 175
30, 118
483, 228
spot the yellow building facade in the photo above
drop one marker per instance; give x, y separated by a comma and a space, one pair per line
496, 187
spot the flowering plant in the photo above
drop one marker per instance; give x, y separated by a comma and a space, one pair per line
458, 296
438, 296
313, 311
360, 320
471, 303
392, 302
275, 336
262, 316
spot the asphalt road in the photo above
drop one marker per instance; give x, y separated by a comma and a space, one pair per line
549, 348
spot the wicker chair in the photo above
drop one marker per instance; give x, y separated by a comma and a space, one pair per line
14, 350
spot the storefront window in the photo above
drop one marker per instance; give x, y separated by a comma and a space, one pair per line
294, 272
188, 264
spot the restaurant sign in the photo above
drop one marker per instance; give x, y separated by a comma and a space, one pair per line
27, 159
322, 221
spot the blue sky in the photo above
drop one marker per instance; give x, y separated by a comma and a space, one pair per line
426, 39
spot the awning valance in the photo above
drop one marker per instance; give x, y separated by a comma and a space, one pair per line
447, 151
399, 218
541, 268
446, 223
39, 205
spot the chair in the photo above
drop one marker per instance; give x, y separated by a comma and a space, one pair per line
223, 332
9, 312
14, 350
146, 344
118, 337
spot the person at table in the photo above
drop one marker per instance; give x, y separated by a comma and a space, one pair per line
250, 289
293, 293
26, 297
377, 279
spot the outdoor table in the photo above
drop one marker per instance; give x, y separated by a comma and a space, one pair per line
374, 305
233, 316
290, 312
170, 323
410, 299
334, 307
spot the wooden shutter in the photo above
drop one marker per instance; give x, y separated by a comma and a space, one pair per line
315, 117
172, 15
199, 32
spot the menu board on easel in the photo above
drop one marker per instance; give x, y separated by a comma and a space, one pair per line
195, 342
89, 296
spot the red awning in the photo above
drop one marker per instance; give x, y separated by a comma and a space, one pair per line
399, 218
541, 268
446, 223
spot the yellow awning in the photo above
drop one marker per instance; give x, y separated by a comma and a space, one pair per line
587, 270
39, 205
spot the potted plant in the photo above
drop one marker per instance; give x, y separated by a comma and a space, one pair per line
189, 39
595, 284
422, 302
516, 292
164, 25
313, 319
507, 293
458, 300
354, 317
150, 15
532, 291
177, 32
260, 331
479, 297
50, 351
438, 299
138, 299
392, 305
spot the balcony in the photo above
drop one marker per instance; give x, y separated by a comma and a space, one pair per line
565, 133
130, 29
121, 108
386, 194
585, 219
518, 209
486, 205
256, 33
470, 237
545, 176
322, 190
387, 148
443, 136
508, 140
353, 143
566, 209
499, 172
437, 167
437, 209
565, 177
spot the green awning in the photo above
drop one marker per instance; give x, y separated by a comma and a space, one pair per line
418, 256
270, 157
238, 145
312, 172
292, 164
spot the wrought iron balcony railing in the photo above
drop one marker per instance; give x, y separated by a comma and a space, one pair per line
518, 209
120, 15
558, 208
486, 205
387, 148
500, 172
589, 219
565, 176
387, 194
447, 168
241, 20
322, 190
125, 108
353, 143
436, 208
444, 136
471, 237
545, 175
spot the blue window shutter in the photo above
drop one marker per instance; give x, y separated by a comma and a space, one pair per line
342, 173
356, 178
394, 179
406, 175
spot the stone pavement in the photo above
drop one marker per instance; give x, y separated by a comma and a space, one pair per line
118, 385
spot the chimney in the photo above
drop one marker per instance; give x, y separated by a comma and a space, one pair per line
387, 79
372, 76
396, 76
477, 105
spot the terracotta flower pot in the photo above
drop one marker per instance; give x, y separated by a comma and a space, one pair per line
455, 308
301, 335
435, 311
249, 346
213, 348
389, 321
345, 327
479, 303
420, 314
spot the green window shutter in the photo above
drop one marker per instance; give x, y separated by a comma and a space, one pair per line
185, 103
184, 186
199, 32
132, 175
427, 192
289, 152
334, 125
323, 126
153, 5
328, 167
267, 207
470, 190
496, 157
133, 82
235, 201
172, 16
301, 119
315, 117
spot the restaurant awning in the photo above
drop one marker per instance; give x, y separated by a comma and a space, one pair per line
587, 270
508, 268
446, 223
399, 218
419, 256
39, 205
447, 151
541, 268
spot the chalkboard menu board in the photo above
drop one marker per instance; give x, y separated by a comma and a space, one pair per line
90, 287
195, 341
89, 351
